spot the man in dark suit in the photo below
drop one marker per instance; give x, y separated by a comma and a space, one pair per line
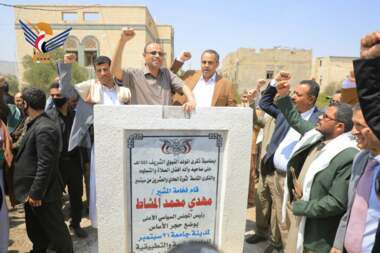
70, 161
37, 182
357, 228
367, 75
279, 149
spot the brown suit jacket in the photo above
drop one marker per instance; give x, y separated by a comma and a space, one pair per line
224, 94
350, 96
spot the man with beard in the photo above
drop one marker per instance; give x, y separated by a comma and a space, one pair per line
70, 165
37, 182
278, 152
318, 174
152, 85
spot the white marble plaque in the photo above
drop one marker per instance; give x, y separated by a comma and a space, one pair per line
173, 189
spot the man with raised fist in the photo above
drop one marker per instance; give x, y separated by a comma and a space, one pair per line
153, 84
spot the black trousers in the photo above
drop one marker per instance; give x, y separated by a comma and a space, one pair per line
376, 246
71, 171
45, 227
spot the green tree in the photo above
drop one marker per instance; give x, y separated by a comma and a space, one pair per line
13, 83
41, 75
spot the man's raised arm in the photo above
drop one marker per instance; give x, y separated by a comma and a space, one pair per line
126, 35
285, 105
367, 73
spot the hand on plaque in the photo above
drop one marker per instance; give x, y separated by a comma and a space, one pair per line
189, 106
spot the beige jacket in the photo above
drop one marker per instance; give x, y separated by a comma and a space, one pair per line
93, 89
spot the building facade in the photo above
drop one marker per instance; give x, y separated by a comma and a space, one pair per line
330, 71
95, 31
246, 65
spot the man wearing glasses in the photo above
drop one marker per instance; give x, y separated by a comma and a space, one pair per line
274, 163
318, 174
152, 85
359, 228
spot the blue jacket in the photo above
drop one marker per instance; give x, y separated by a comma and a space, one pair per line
282, 126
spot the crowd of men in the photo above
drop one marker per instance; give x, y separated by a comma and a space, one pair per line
318, 169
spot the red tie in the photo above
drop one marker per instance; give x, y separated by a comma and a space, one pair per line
358, 216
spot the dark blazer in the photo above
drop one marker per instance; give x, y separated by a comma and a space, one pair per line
266, 103
358, 167
36, 162
59, 123
367, 74
1, 198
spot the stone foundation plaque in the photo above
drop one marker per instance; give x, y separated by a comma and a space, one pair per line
173, 189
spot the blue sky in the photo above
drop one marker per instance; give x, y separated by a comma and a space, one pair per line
328, 27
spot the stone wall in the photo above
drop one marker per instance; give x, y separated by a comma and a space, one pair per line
246, 65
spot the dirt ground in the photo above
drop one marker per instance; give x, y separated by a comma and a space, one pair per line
19, 241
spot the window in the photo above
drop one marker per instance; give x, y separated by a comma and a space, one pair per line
89, 58
269, 74
69, 16
91, 16
320, 63
71, 46
90, 50
320, 80
72, 52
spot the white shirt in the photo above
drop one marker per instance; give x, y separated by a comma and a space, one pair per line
110, 96
373, 214
284, 150
204, 91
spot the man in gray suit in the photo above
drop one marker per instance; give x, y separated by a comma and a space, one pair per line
357, 228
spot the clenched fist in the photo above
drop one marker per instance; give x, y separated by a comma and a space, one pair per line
370, 46
260, 83
251, 94
127, 34
283, 88
185, 56
69, 58
283, 76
